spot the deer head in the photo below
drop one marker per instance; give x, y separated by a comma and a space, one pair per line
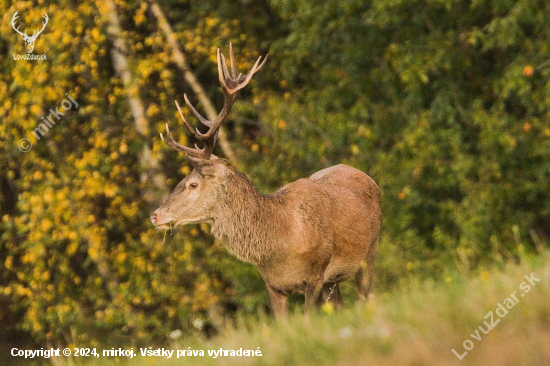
29, 40
195, 197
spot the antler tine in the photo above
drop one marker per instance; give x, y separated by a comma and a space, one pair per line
15, 16
189, 127
262, 64
223, 73
232, 58
43, 24
172, 143
253, 71
203, 120
226, 73
247, 77
197, 153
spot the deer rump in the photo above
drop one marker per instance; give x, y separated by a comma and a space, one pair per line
332, 225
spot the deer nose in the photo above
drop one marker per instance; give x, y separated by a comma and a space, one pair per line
154, 218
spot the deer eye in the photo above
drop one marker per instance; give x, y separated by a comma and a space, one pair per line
193, 185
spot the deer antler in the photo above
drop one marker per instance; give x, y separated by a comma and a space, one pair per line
231, 84
25, 35
35, 35
15, 16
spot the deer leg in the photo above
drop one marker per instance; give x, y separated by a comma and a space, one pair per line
278, 302
338, 301
361, 282
331, 292
312, 293
363, 277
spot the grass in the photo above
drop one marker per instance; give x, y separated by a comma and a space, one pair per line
417, 324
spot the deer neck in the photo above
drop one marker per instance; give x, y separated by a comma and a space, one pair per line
246, 221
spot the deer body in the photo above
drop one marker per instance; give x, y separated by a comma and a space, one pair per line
305, 238
318, 217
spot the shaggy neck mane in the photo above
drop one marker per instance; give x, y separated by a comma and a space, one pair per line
246, 221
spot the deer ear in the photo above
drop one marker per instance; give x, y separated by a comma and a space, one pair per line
203, 167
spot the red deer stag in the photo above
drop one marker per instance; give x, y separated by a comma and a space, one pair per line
306, 237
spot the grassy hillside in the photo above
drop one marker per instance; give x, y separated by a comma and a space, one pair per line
417, 324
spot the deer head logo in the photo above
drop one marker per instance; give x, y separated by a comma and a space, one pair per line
29, 40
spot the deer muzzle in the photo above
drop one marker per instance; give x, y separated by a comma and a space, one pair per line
159, 221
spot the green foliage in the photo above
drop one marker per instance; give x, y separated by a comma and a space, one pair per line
444, 103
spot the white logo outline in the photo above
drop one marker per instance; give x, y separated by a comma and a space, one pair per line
29, 40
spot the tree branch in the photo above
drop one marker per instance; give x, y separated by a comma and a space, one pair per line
151, 171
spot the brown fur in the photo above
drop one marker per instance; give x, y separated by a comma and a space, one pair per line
306, 237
